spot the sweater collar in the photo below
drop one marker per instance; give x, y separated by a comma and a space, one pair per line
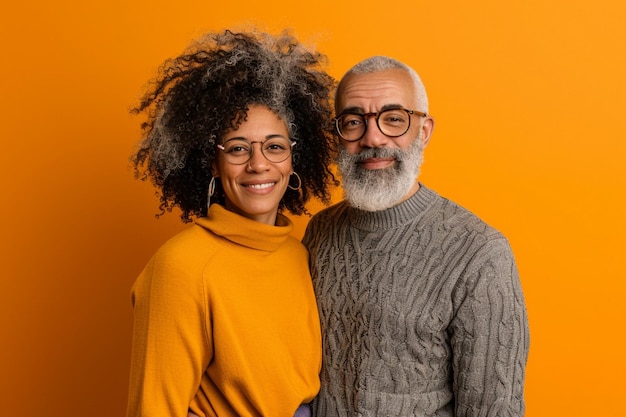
396, 216
244, 231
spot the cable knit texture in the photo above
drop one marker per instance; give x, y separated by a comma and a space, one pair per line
422, 312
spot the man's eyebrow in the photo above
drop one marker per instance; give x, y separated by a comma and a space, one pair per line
392, 107
359, 110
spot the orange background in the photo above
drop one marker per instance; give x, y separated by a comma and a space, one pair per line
529, 99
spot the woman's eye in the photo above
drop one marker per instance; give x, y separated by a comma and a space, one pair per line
237, 149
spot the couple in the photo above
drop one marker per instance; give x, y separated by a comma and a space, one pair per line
412, 305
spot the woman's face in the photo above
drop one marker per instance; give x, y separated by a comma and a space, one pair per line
254, 189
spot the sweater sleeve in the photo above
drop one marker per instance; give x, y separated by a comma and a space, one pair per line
171, 347
489, 335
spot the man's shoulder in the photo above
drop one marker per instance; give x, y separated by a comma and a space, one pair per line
453, 217
331, 211
321, 221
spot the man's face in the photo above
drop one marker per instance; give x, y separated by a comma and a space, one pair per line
380, 171
369, 93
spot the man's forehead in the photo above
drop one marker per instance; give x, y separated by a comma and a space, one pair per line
382, 88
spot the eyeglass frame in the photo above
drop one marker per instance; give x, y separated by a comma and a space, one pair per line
366, 116
292, 143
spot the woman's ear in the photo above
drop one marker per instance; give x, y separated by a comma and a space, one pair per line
215, 172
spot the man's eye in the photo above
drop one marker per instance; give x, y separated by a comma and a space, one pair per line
393, 118
351, 122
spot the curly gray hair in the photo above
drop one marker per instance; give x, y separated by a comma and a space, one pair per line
198, 96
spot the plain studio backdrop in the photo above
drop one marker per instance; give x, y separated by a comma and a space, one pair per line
529, 100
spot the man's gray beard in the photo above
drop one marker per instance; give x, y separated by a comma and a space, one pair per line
379, 189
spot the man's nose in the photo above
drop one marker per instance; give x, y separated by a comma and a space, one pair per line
373, 137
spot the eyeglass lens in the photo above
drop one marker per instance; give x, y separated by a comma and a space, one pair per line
239, 151
392, 123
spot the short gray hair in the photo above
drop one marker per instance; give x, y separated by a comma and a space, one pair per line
383, 63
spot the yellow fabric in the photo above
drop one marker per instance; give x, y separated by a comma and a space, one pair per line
226, 323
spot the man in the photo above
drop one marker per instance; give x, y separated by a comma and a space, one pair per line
420, 302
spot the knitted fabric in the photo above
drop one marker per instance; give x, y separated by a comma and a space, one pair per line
422, 312
225, 323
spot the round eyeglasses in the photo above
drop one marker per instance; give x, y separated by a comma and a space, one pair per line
351, 126
238, 151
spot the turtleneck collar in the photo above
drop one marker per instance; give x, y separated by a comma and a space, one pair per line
244, 231
393, 217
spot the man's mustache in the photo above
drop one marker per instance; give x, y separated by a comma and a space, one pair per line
397, 154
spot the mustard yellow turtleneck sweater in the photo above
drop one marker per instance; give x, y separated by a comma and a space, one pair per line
225, 323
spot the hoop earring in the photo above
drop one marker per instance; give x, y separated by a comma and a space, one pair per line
299, 182
210, 192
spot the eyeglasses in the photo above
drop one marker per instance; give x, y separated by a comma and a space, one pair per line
392, 123
239, 151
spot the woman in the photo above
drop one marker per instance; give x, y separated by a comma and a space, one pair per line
225, 317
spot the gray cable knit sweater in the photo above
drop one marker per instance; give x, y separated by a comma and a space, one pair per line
422, 312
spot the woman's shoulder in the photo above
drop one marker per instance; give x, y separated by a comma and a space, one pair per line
191, 244
179, 262
295, 244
